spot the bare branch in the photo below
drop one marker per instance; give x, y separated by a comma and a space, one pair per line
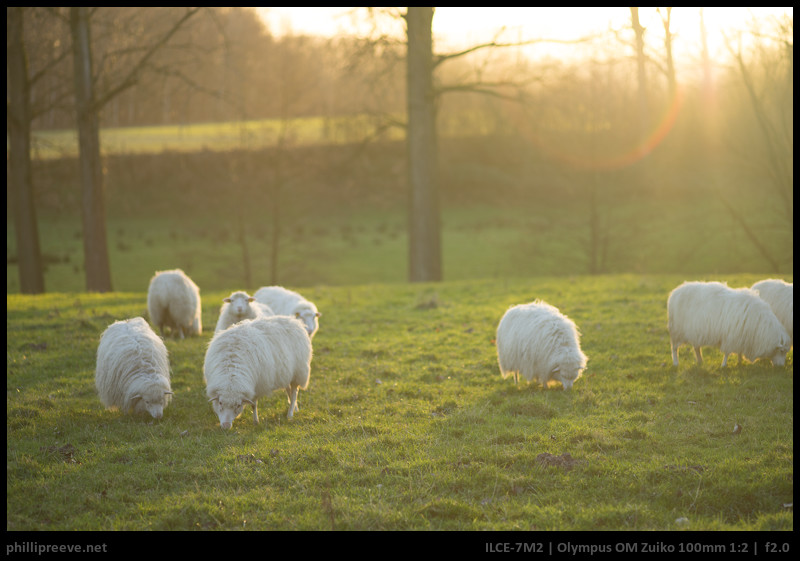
494, 44
783, 182
49, 66
748, 232
132, 78
490, 88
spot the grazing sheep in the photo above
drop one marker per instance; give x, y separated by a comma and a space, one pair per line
779, 295
238, 306
173, 301
133, 368
288, 303
538, 341
733, 320
253, 358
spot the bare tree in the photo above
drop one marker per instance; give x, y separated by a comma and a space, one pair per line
88, 103
669, 63
425, 254
771, 98
18, 127
95, 249
641, 74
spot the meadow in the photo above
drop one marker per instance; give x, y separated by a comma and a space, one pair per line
56, 144
407, 423
361, 246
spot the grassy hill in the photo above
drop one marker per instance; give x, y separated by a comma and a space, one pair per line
407, 424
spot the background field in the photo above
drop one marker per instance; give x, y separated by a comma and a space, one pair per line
407, 423
507, 211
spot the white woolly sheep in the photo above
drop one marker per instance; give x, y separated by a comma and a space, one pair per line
173, 301
289, 303
538, 341
133, 368
732, 320
779, 294
252, 359
239, 306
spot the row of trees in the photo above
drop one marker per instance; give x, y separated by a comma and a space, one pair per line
220, 65
89, 93
87, 68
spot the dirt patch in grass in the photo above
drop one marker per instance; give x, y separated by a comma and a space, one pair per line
565, 461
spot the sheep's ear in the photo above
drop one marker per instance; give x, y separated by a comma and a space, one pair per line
134, 398
228, 300
556, 369
317, 314
251, 299
248, 401
213, 399
169, 393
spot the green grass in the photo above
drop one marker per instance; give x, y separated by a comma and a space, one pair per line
210, 136
348, 247
407, 424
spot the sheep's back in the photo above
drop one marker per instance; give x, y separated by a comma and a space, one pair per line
282, 301
780, 296
694, 311
174, 295
257, 359
129, 354
733, 320
532, 339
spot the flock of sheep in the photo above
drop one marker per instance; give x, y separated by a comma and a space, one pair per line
262, 343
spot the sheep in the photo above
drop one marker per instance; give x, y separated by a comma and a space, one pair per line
779, 295
173, 301
288, 303
253, 358
238, 306
538, 341
133, 368
733, 320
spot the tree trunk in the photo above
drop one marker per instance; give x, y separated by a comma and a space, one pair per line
425, 255
275, 237
644, 110
20, 188
672, 83
98, 271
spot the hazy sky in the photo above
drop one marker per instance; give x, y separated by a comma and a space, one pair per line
458, 27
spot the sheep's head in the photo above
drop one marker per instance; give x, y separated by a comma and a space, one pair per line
566, 375
153, 401
239, 304
228, 409
309, 319
778, 355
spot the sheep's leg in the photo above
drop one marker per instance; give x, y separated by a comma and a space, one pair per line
255, 412
699, 355
289, 398
291, 392
725, 360
674, 353
180, 330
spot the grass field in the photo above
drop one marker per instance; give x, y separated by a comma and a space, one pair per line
366, 246
204, 136
407, 424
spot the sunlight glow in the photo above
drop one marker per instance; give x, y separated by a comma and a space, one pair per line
459, 27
